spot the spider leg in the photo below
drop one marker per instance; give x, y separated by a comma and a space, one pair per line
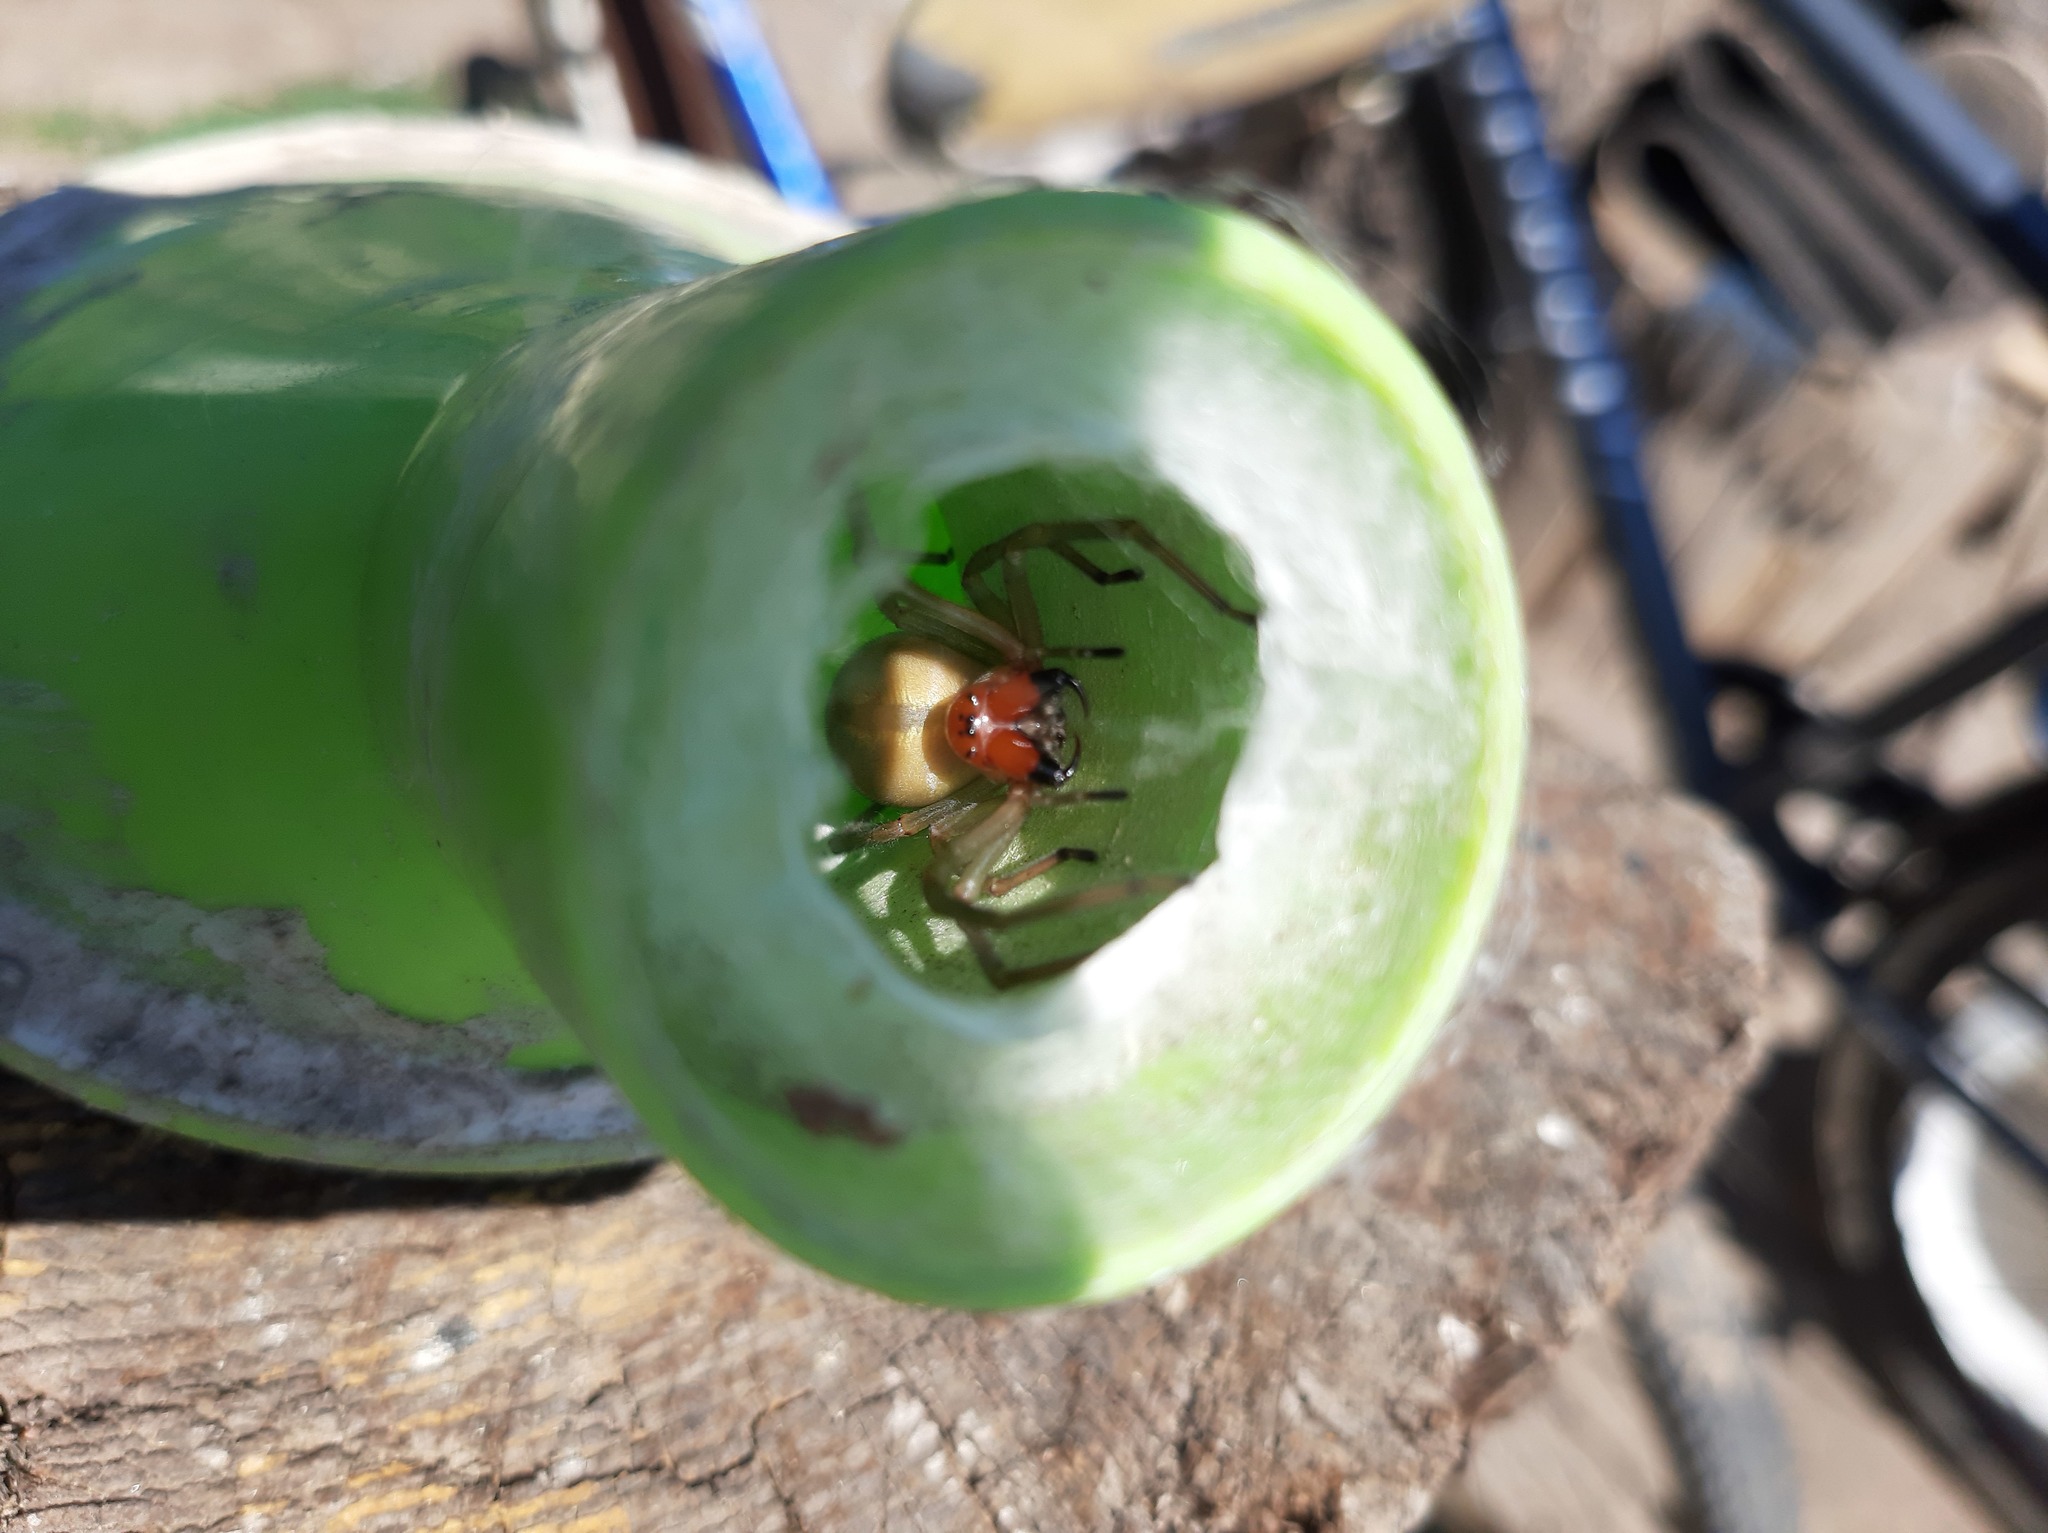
961, 874
1095, 572
871, 832
937, 818
933, 617
918, 611
1002, 976
1131, 530
1060, 538
980, 924
975, 582
1013, 605
1138, 887
860, 529
998, 887
1087, 796
971, 802
1024, 620
961, 863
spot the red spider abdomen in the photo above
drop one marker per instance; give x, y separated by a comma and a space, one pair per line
989, 725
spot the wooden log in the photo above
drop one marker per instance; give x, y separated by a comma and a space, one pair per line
190, 1339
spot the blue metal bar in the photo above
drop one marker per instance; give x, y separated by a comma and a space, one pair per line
759, 103
1552, 246
1924, 124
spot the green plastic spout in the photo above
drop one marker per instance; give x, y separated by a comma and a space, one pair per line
510, 684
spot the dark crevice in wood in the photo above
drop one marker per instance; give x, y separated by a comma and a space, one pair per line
894, 1356
538, 1479
15, 1470
1189, 1439
91, 1503
790, 1515
6, 1207
14, 1465
710, 1479
707, 1479
1320, 1510
967, 1478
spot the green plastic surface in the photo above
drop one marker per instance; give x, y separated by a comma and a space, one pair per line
621, 553
456, 576
201, 422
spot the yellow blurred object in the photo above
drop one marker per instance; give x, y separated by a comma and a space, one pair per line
1046, 62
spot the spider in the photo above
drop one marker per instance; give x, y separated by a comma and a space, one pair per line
957, 720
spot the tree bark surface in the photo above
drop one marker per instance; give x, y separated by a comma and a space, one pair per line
194, 1340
